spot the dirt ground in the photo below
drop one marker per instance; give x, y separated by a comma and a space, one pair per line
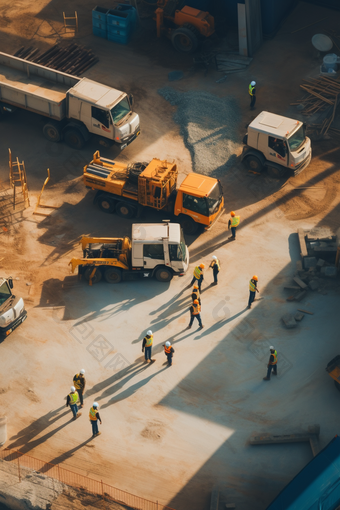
169, 434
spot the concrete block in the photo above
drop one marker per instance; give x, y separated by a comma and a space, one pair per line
289, 321
300, 282
300, 295
330, 271
320, 263
314, 285
309, 262
298, 316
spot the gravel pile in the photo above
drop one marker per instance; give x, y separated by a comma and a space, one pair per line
208, 125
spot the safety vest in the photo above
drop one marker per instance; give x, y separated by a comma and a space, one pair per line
149, 341
92, 414
252, 286
275, 358
235, 221
197, 309
216, 263
73, 397
167, 350
78, 382
251, 88
197, 272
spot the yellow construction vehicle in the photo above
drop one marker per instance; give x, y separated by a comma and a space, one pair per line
154, 250
127, 189
184, 27
333, 368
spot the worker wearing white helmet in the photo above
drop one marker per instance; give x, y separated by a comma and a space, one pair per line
79, 383
147, 346
272, 364
72, 401
215, 265
252, 93
94, 417
169, 351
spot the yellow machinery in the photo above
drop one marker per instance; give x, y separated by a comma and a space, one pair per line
127, 189
184, 26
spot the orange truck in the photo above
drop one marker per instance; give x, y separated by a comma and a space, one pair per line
128, 189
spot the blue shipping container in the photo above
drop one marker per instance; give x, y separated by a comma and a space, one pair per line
98, 32
118, 38
129, 9
118, 18
99, 13
98, 23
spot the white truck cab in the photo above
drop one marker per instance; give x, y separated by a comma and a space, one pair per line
276, 143
12, 308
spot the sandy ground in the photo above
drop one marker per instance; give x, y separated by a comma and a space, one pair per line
169, 434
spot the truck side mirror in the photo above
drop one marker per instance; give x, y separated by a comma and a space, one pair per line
131, 99
10, 283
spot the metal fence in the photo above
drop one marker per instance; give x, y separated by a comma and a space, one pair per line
75, 480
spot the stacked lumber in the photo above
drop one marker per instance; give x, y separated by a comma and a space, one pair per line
322, 93
72, 59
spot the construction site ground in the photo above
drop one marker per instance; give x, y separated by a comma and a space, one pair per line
170, 434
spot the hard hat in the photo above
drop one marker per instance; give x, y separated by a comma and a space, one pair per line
95, 404
255, 278
253, 83
149, 333
271, 348
167, 344
82, 371
73, 388
214, 257
196, 301
195, 286
232, 213
202, 266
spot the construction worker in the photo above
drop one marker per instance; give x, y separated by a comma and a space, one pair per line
195, 312
215, 265
79, 384
272, 364
252, 289
198, 276
72, 401
196, 294
233, 224
252, 93
94, 417
169, 351
147, 346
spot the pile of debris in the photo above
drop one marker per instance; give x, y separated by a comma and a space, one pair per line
72, 59
322, 95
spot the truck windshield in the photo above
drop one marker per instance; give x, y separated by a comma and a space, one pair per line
177, 252
297, 139
214, 199
5, 293
119, 111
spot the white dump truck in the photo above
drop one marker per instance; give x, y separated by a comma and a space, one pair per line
76, 108
154, 250
277, 144
12, 308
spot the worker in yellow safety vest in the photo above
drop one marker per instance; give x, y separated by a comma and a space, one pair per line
272, 364
252, 290
79, 384
198, 276
252, 93
233, 224
195, 312
147, 346
72, 401
215, 265
94, 417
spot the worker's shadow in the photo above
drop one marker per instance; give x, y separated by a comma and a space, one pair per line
219, 324
64, 456
122, 382
110, 380
130, 391
172, 300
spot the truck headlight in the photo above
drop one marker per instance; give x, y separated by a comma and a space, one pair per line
4, 321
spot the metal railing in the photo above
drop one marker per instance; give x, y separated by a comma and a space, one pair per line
76, 480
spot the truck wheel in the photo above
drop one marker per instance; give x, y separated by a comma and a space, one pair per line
184, 39
113, 275
275, 172
106, 204
125, 210
97, 275
74, 138
188, 225
337, 385
253, 164
163, 274
52, 132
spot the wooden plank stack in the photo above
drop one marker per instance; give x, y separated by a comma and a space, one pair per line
72, 59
